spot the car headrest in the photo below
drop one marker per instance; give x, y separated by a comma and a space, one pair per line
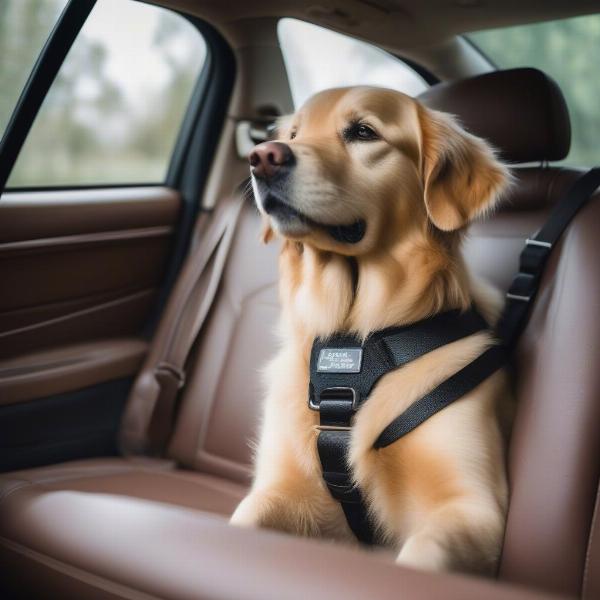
522, 112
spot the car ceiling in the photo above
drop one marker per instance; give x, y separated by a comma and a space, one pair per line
394, 24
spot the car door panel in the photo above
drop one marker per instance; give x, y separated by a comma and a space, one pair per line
81, 272
79, 423
35, 215
81, 265
86, 266
69, 367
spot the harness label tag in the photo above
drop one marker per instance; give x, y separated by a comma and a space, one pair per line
340, 360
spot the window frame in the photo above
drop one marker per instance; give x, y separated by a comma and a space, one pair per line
428, 77
44, 72
38, 83
493, 65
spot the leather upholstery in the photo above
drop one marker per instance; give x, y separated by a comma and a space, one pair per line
554, 463
83, 266
92, 546
520, 111
152, 480
219, 410
77, 366
124, 528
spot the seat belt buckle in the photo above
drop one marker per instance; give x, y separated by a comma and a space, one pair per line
539, 243
533, 256
334, 393
522, 287
171, 372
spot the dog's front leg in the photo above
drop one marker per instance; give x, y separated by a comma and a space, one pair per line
291, 501
462, 535
282, 497
263, 508
275, 508
288, 493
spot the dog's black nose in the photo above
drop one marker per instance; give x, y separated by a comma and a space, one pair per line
267, 158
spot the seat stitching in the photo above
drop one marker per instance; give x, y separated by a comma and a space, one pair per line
17, 487
237, 310
212, 480
209, 482
49, 480
78, 472
203, 455
92, 579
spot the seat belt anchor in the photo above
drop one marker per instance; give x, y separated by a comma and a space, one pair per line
165, 369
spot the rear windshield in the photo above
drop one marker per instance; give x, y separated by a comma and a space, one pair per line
568, 51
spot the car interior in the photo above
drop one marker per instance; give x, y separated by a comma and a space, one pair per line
100, 278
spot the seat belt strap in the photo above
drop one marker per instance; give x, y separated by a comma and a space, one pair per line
207, 266
524, 287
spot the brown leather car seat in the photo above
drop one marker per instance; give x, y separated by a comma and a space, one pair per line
141, 527
554, 459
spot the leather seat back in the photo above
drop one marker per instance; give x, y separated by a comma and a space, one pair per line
219, 409
554, 459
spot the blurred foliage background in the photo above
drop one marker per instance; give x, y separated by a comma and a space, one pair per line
569, 51
114, 111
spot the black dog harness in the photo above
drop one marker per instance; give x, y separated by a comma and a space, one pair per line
344, 370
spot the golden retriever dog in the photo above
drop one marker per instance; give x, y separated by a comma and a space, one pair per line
371, 193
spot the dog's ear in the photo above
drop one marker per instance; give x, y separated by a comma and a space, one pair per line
267, 233
462, 178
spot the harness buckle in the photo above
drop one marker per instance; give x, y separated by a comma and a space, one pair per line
335, 393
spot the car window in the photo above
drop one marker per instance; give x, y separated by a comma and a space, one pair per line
568, 51
24, 28
114, 111
317, 58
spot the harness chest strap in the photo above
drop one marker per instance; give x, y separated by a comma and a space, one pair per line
344, 371
342, 364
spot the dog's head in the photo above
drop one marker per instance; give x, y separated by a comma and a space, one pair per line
357, 168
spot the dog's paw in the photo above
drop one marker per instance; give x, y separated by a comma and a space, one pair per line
247, 513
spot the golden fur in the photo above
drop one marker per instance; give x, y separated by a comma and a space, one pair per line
439, 494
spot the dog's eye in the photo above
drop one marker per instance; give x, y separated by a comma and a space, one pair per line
293, 135
359, 132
